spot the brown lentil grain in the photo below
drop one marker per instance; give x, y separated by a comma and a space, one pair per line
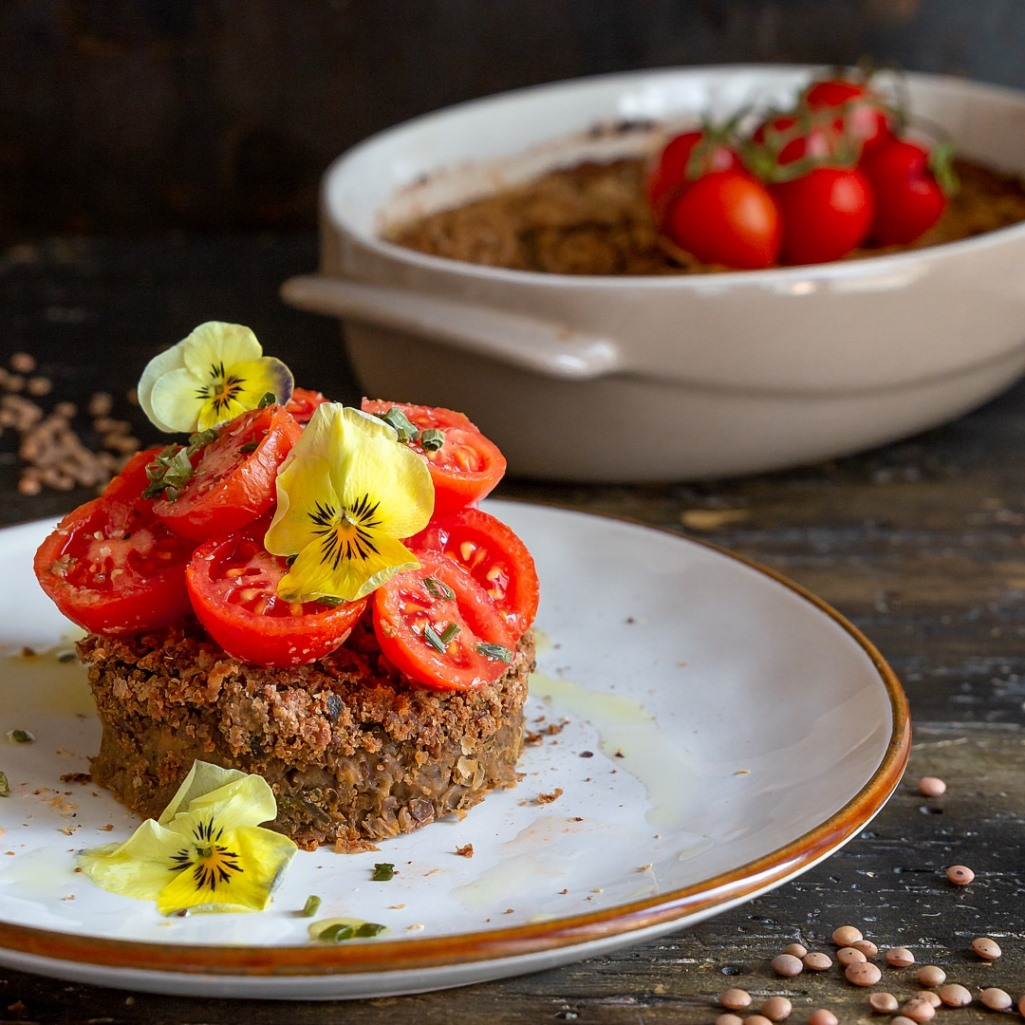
777, 1008
930, 995
931, 975
900, 1019
797, 949
930, 786
960, 875
918, 1009
822, 1016
735, 999
787, 965
955, 995
867, 947
1021, 1005
850, 955
995, 999
883, 1003
845, 935
729, 1019
817, 961
899, 957
22, 362
862, 973
757, 1019
987, 949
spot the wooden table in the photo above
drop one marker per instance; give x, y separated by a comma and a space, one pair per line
920, 544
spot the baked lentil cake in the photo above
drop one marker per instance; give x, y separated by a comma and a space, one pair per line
353, 752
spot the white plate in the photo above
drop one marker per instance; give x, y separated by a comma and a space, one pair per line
721, 732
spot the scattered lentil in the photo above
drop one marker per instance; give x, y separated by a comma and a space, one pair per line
918, 1009
817, 961
900, 1019
797, 949
729, 1019
845, 935
757, 1019
930, 786
960, 875
867, 947
955, 995
987, 949
1021, 1005
862, 973
996, 999
735, 999
931, 975
787, 965
777, 1008
883, 1003
928, 994
822, 1016
850, 955
899, 957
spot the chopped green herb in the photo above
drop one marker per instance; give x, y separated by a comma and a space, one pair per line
432, 439
336, 933
312, 906
440, 641
403, 426
168, 473
269, 399
249, 446
436, 589
368, 929
20, 737
496, 652
383, 871
5, 786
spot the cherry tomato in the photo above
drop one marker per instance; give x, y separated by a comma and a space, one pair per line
232, 479
465, 468
495, 555
728, 218
438, 626
909, 198
303, 402
826, 213
861, 113
111, 566
684, 159
786, 139
232, 582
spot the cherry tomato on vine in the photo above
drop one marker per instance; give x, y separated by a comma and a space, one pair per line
727, 218
231, 481
826, 213
437, 625
232, 582
495, 555
465, 465
861, 112
786, 139
111, 566
681, 161
909, 196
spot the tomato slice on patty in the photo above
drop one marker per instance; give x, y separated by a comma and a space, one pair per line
495, 555
437, 625
465, 465
232, 477
112, 566
233, 581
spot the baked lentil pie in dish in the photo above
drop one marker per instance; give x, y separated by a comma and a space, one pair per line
303, 591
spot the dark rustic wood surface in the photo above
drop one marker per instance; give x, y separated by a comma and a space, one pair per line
920, 544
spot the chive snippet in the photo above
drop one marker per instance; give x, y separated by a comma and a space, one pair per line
495, 652
312, 906
436, 589
383, 872
5, 785
20, 737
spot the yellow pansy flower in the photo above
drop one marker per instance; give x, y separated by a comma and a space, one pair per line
206, 852
210, 377
347, 494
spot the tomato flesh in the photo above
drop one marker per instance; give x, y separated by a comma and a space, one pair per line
233, 477
113, 568
496, 557
232, 583
468, 465
434, 623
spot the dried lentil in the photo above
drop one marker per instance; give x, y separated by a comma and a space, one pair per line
822, 1016
729, 1019
928, 994
845, 935
735, 999
862, 973
787, 965
757, 1019
883, 1003
777, 1008
955, 995
987, 949
918, 1009
850, 955
867, 947
960, 875
797, 949
930, 786
995, 999
817, 961
899, 957
931, 975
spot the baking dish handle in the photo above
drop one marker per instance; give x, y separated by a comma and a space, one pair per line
538, 345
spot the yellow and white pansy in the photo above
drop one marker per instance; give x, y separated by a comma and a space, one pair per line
347, 495
210, 377
206, 852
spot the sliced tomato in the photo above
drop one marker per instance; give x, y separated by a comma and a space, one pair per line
438, 626
232, 479
233, 581
112, 567
495, 555
303, 403
465, 468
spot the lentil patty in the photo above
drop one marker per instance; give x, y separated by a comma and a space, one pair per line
354, 753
